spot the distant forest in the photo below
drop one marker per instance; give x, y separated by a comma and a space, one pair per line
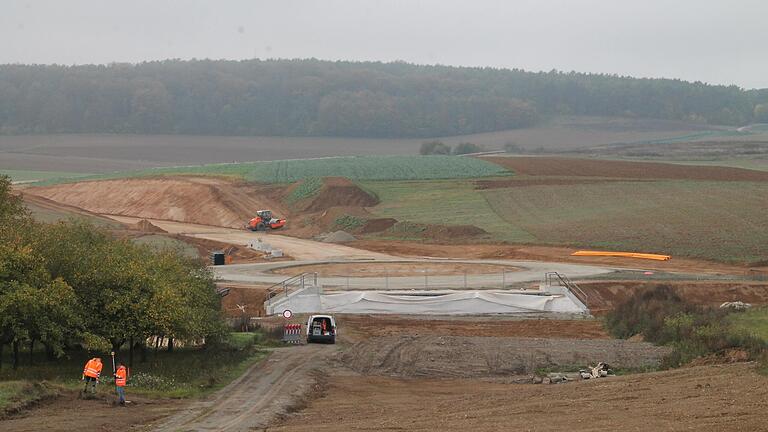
354, 99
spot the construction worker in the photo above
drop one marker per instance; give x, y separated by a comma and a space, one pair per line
121, 376
91, 374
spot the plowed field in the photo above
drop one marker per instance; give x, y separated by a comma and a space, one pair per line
573, 167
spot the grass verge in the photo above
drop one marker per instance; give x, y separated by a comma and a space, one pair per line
18, 395
184, 373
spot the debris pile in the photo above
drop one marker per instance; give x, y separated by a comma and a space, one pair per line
736, 305
336, 237
602, 370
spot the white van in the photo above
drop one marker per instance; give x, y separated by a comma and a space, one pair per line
321, 328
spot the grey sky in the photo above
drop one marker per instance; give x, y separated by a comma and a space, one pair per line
713, 41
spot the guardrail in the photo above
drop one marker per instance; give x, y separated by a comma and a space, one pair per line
282, 288
562, 280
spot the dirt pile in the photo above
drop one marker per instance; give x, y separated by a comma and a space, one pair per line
434, 233
251, 297
338, 192
200, 200
474, 357
377, 225
147, 226
337, 237
566, 167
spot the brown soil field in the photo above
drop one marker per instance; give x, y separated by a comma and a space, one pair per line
564, 167
491, 357
250, 296
94, 153
728, 397
395, 269
525, 181
201, 200
605, 295
68, 413
361, 327
544, 253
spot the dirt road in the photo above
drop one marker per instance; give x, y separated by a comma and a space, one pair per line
299, 249
266, 391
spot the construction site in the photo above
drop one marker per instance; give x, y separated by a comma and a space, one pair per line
445, 316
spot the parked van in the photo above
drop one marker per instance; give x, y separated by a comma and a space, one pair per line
321, 328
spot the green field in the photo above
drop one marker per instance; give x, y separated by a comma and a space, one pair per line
355, 168
722, 221
25, 175
442, 202
753, 321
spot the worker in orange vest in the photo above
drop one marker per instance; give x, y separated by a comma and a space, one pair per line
91, 373
121, 377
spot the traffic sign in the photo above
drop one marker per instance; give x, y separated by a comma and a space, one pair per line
287, 314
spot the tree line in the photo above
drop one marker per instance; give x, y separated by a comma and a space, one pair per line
72, 285
323, 98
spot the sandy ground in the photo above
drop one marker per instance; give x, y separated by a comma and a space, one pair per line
300, 249
395, 269
545, 253
526, 273
707, 398
201, 200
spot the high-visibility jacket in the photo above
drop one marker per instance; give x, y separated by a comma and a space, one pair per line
93, 368
121, 375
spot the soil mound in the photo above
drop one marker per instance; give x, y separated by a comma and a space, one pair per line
338, 237
437, 233
339, 192
147, 226
200, 200
377, 225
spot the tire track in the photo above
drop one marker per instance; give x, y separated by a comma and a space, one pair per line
263, 393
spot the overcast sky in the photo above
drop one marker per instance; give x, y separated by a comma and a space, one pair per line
721, 42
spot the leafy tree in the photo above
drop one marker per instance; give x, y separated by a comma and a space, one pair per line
312, 97
761, 113
434, 148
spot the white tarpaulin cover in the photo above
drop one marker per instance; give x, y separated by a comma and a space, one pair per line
451, 303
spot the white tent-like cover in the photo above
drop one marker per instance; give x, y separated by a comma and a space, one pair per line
429, 302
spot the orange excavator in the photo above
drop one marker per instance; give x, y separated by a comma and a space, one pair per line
264, 220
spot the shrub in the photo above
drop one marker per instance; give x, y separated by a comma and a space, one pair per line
466, 148
662, 317
349, 222
434, 148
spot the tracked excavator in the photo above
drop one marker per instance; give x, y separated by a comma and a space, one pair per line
264, 220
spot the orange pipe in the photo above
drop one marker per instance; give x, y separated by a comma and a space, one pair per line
639, 255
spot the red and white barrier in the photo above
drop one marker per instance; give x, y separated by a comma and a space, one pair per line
292, 333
